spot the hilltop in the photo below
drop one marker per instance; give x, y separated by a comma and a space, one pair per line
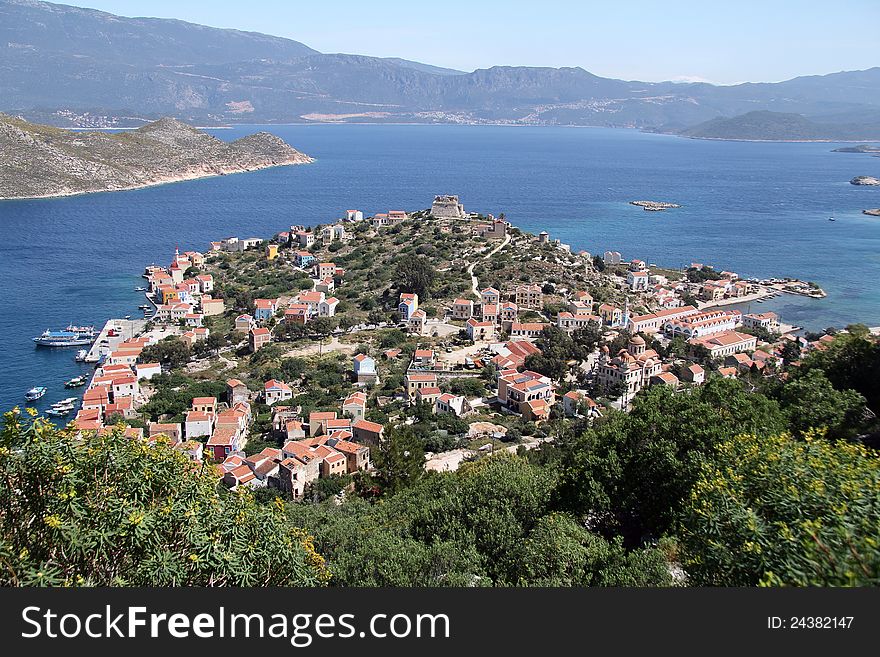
42, 161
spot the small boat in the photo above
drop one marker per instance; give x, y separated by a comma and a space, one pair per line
140, 289
81, 356
831, 219
143, 306
127, 317
57, 412
76, 382
35, 393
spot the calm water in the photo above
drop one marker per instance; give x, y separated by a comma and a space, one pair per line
759, 209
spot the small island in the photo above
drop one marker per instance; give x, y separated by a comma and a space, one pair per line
41, 161
861, 148
873, 213
654, 206
865, 180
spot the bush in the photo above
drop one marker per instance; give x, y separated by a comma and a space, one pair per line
105, 510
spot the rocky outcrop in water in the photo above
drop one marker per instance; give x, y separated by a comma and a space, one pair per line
654, 206
874, 213
865, 180
40, 161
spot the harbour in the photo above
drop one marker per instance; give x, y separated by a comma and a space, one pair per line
774, 195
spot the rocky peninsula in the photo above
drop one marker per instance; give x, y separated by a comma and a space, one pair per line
861, 148
865, 180
41, 161
873, 213
654, 206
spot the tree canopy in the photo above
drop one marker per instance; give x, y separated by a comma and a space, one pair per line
107, 510
776, 511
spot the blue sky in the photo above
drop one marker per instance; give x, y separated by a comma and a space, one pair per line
721, 42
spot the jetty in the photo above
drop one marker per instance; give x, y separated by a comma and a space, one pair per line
122, 329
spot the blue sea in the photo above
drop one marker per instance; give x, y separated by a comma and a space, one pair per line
760, 209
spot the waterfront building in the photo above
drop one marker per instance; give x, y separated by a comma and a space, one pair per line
724, 344
653, 322
768, 321
698, 325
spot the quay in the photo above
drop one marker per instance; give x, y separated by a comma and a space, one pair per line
124, 329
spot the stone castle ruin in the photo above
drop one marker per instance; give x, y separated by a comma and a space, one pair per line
447, 206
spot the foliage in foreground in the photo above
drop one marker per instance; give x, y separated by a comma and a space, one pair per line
783, 512
108, 510
489, 523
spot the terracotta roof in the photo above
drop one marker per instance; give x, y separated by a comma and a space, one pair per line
366, 425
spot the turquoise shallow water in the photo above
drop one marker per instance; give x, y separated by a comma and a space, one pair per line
757, 208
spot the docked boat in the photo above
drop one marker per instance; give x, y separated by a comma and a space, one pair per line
35, 393
85, 331
63, 339
81, 355
76, 382
140, 289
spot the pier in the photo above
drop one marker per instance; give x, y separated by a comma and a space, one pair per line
124, 329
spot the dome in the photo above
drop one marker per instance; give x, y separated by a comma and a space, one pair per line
637, 339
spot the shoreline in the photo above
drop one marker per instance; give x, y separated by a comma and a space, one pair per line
155, 183
230, 126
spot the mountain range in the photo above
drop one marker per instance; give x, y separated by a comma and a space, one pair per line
81, 67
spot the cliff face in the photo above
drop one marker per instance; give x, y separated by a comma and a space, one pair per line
40, 161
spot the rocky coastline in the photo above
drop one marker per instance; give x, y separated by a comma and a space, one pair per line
45, 162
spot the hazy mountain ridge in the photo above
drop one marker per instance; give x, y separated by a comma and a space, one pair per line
43, 161
71, 66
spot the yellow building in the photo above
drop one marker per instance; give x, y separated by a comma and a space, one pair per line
167, 294
271, 251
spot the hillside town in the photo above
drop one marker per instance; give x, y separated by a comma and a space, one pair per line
281, 362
